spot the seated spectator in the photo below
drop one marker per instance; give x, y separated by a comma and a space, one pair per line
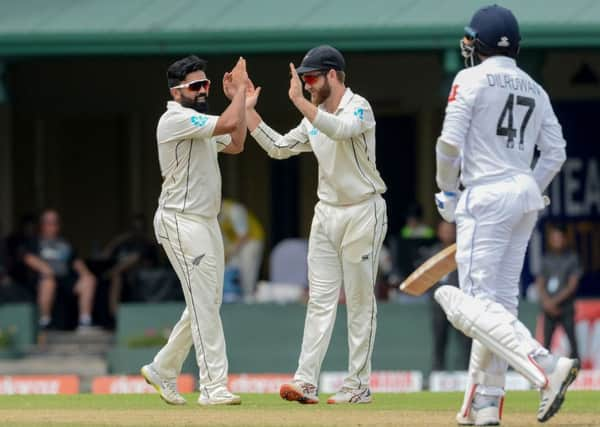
10, 291
15, 248
56, 264
415, 227
557, 286
243, 238
446, 234
128, 253
415, 239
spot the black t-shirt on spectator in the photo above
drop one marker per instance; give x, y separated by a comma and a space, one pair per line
58, 253
16, 246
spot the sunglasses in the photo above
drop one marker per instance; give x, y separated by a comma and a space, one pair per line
195, 85
311, 79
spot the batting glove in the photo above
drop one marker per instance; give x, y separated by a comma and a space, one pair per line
446, 202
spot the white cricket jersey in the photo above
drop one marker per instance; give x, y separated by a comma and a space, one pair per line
496, 114
344, 144
187, 153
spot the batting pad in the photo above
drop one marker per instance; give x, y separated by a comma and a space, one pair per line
496, 328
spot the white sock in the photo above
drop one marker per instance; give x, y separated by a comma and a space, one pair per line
85, 320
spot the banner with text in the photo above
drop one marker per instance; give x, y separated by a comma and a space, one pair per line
39, 384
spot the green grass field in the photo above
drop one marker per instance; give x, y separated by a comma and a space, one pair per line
418, 409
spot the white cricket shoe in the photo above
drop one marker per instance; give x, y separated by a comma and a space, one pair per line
489, 416
553, 395
351, 395
221, 396
299, 391
167, 389
484, 411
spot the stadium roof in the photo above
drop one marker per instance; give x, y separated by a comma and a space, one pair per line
65, 27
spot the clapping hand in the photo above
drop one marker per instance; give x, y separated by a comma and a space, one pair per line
236, 79
252, 95
295, 91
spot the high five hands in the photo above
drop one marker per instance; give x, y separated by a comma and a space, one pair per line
235, 79
239, 76
295, 91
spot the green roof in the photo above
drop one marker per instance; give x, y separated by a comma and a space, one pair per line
59, 27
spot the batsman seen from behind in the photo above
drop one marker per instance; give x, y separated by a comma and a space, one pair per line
350, 218
496, 116
186, 225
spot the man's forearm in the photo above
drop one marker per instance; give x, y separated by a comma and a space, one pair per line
253, 119
306, 108
567, 292
238, 103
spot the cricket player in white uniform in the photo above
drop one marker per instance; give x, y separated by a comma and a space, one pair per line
349, 223
496, 115
186, 224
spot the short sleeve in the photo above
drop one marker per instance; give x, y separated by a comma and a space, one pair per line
574, 265
186, 124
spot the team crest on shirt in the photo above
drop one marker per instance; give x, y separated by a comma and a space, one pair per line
360, 113
313, 132
199, 120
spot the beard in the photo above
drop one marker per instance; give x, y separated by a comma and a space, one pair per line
198, 103
318, 97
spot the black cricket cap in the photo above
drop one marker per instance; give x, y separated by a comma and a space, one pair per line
322, 58
179, 69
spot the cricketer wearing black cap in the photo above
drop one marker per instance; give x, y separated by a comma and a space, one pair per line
322, 58
349, 223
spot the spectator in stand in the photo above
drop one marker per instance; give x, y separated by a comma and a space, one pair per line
243, 238
557, 286
128, 252
56, 264
16, 244
415, 239
415, 227
446, 234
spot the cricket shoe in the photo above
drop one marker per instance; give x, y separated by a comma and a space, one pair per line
221, 396
351, 395
484, 411
299, 391
559, 379
167, 389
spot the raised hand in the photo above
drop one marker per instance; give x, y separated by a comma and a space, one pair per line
228, 88
252, 95
295, 91
239, 75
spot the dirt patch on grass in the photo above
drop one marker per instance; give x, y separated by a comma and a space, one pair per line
254, 417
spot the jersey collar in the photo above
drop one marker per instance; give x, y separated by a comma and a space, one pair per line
500, 60
348, 94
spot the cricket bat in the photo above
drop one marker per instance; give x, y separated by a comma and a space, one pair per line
430, 272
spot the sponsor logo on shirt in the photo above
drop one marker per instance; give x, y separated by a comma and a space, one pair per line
199, 121
453, 92
360, 113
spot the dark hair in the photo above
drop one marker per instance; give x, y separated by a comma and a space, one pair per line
558, 226
414, 210
179, 69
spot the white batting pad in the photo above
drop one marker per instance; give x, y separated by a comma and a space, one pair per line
496, 328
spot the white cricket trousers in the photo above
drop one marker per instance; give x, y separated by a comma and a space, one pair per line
194, 246
494, 224
343, 248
